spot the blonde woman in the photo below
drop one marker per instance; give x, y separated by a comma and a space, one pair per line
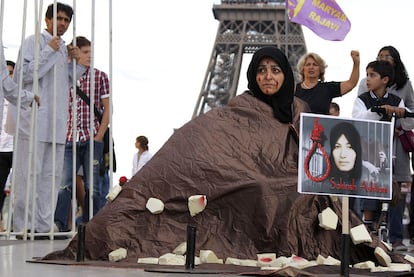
314, 90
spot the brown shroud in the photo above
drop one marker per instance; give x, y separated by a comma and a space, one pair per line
245, 162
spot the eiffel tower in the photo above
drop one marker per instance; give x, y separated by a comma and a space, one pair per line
245, 26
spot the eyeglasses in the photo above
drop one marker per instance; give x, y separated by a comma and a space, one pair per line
385, 58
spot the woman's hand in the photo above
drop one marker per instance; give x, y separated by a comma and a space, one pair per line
355, 56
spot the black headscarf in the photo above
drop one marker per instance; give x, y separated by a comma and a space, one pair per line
281, 101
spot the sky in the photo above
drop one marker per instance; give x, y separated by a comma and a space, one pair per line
161, 50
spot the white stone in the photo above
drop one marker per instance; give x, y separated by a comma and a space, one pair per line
196, 204
272, 268
242, 262
383, 258
380, 269
155, 205
266, 259
387, 245
117, 255
171, 259
409, 258
281, 261
113, 193
181, 248
328, 219
359, 234
365, 265
399, 267
209, 257
393, 267
299, 262
147, 260
321, 260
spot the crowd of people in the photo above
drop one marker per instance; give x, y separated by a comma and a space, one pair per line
56, 136
64, 128
193, 161
386, 85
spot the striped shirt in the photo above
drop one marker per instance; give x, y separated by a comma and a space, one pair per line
83, 109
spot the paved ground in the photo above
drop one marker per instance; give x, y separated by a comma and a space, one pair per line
14, 255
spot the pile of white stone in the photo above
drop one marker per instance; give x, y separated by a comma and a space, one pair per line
328, 220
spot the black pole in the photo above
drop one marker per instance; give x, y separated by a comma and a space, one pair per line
80, 254
190, 252
345, 255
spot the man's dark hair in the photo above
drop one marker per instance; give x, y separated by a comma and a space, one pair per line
11, 63
384, 69
335, 106
82, 41
60, 8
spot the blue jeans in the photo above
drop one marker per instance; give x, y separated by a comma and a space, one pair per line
396, 213
396, 226
63, 207
104, 180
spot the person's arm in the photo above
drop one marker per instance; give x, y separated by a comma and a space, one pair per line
48, 57
347, 86
360, 111
371, 168
73, 59
104, 95
11, 93
105, 120
10, 88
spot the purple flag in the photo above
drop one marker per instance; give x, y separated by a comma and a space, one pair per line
324, 17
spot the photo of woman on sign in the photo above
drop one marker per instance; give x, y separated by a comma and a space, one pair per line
346, 162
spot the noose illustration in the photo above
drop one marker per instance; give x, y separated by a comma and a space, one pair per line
318, 137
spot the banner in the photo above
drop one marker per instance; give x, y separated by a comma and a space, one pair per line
340, 156
324, 17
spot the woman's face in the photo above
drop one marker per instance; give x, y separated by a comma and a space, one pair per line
385, 55
344, 155
311, 68
269, 76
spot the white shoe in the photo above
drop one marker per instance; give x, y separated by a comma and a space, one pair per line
55, 228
